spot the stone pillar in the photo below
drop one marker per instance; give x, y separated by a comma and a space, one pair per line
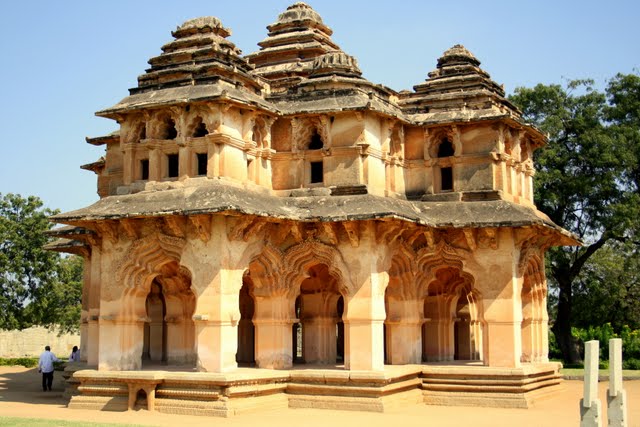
363, 320
319, 338
616, 395
184, 162
122, 341
500, 287
590, 408
156, 160
91, 347
404, 330
273, 322
216, 330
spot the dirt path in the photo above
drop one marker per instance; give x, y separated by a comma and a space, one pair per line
20, 396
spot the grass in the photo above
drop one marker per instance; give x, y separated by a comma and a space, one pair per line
40, 422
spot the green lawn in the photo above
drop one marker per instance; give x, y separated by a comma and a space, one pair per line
38, 422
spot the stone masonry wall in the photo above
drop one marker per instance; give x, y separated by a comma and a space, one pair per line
30, 342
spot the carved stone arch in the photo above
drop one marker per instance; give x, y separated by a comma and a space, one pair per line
140, 265
135, 129
303, 129
266, 271
299, 258
163, 125
438, 136
431, 259
403, 267
195, 126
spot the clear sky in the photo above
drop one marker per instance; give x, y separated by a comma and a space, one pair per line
63, 60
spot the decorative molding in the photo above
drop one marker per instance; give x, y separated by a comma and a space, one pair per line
202, 226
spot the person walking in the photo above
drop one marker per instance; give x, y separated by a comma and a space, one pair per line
45, 366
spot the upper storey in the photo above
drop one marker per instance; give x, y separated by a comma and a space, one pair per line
298, 119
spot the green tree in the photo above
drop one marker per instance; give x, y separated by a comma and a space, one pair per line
585, 179
37, 287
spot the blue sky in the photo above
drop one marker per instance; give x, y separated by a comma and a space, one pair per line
64, 60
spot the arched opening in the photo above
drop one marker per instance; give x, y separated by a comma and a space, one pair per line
168, 129
340, 332
315, 142
445, 149
317, 334
452, 327
296, 333
155, 328
246, 331
200, 129
533, 328
169, 332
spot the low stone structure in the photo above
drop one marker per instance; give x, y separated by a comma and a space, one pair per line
278, 210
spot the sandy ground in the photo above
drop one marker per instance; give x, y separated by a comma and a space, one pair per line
21, 396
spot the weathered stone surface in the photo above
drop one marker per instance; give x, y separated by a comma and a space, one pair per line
279, 208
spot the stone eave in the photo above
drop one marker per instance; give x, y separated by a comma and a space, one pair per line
332, 101
216, 198
104, 139
67, 246
184, 95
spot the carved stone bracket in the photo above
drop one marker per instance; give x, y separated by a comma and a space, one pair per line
330, 232
353, 232
470, 236
202, 225
237, 231
130, 228
176, 225
488, 238
108, 229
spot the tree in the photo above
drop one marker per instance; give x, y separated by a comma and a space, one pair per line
37, 287
586, 180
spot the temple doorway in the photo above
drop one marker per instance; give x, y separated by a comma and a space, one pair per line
318, 332
246, 330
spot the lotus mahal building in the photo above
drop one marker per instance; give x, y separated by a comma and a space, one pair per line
274, 229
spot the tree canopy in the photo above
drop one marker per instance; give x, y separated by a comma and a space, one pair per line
37, 287
587, 180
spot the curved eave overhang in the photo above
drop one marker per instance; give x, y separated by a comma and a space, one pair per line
185, 95
219, 198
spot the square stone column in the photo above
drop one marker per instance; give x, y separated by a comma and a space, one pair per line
500, 287
273, 321
364, 324
217, 322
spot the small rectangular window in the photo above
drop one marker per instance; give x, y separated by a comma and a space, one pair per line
144, 169
446, 179
317, 173
202, 163
172, 165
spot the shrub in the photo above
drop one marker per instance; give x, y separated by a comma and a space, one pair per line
631, 364
27, 362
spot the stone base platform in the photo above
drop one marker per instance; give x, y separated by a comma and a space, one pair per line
326, 387
468, 385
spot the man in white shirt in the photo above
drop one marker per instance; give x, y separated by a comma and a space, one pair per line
45, 365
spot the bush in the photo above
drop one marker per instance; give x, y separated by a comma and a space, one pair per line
631, 364
603, 333
27, 362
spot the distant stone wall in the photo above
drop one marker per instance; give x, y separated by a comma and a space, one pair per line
30, 342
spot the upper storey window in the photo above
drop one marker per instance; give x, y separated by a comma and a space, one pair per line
200, 129
445, 149
315, 143
168, 129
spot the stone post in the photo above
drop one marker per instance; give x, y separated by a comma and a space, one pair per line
590, 408
616, 395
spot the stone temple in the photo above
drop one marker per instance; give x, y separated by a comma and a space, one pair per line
274, 229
